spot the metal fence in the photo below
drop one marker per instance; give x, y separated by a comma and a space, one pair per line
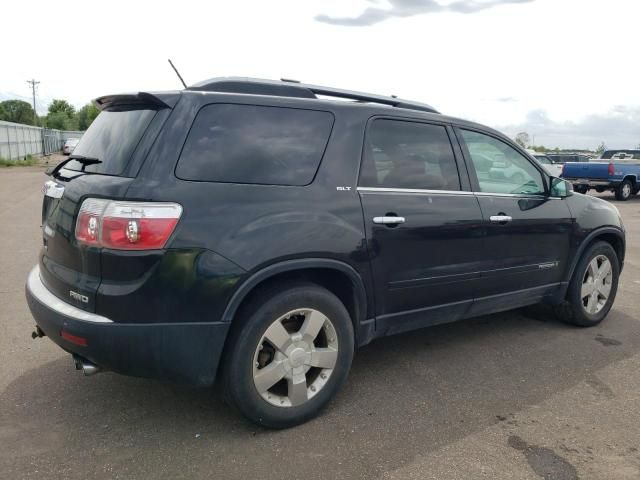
17, 140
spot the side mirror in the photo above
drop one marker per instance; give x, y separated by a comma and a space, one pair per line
560, 188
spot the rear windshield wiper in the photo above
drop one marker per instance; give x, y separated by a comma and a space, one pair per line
78, 158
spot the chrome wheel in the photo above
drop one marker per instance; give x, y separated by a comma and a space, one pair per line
295, 357
596, 284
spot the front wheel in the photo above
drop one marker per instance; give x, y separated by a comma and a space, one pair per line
290, 357
624, 191
593, 287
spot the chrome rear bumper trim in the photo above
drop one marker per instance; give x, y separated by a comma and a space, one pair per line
45, 297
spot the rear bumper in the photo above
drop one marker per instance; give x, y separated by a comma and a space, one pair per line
184, 352
591, 183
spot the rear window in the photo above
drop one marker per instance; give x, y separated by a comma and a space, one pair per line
621, 154
254, 144
112, 138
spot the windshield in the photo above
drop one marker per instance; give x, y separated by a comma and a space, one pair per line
111, 138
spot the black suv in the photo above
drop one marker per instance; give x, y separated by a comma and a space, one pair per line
257, 232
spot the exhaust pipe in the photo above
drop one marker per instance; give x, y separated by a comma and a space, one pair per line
86, 366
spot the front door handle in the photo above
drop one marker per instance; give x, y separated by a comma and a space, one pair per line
388, 220
501, 218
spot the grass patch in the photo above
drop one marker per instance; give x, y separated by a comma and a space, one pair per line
29, 161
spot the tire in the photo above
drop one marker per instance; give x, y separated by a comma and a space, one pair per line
624, 191
272, 349
581, 189
575, 310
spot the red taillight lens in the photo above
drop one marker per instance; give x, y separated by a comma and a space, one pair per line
136, 233
126, 225
612, 170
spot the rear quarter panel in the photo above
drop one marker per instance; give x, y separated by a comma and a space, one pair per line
254, 226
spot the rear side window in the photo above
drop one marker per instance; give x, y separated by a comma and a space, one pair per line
253, 144
112, 139
401, 154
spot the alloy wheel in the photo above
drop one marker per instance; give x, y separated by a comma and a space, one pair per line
295, 357
596, 284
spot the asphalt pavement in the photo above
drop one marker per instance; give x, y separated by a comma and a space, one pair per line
507, 396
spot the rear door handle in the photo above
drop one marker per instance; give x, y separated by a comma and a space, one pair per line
388, 220
500, 218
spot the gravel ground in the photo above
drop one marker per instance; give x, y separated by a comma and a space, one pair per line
504, 396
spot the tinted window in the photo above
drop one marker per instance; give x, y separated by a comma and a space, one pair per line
251, 144
112, 138
510, 172
402, 154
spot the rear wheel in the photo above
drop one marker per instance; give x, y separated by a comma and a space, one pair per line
593, 287
624, 190
581, 189
290, 357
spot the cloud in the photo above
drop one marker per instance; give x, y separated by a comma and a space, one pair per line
409, 8
506, 99
618, 128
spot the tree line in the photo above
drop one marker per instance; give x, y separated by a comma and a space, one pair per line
523, 140
60, 114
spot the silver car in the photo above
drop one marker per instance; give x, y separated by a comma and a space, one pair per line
69, 145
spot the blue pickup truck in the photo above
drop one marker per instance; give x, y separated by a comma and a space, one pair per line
615, 170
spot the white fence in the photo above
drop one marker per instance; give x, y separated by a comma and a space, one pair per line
17, 140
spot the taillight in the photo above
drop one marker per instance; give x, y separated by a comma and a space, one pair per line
126, 225
612, 170
562, 170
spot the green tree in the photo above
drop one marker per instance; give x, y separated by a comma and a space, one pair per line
62, 106
62, 116
86, 115
601, 148
17, 111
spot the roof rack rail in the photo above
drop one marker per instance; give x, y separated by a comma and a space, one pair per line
293, 88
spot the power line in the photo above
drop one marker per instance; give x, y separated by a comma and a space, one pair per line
34, 84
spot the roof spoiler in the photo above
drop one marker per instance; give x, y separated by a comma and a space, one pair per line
154, 100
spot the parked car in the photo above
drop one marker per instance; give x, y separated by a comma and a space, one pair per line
563, 158
616, 170
552, 168
249, 232
69, 145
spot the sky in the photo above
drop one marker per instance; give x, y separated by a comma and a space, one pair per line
565, 71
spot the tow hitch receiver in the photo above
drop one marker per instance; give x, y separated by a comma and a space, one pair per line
38, 333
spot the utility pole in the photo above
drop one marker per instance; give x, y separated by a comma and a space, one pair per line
34, 84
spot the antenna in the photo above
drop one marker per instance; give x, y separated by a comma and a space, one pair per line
177, 73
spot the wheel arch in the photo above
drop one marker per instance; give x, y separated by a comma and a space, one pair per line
338, 277
611, 235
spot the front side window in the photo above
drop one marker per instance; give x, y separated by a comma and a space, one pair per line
233, 143
501, 168
402, 154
